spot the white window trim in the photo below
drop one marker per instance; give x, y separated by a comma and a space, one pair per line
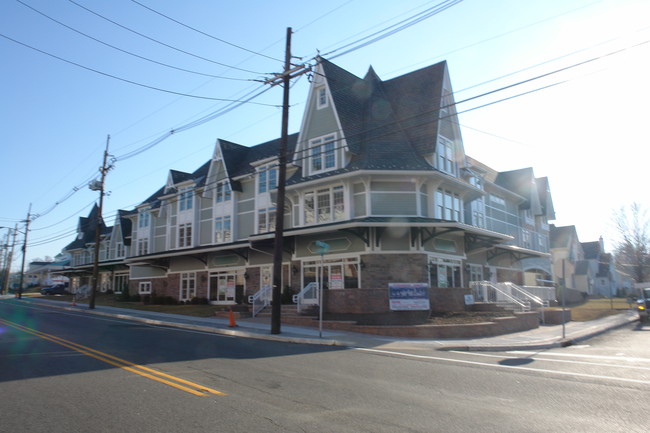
332, 208
268, 185
321, 154
185, 199
319, 103
222, 231
223, 192
186, 278
184, 239
144, 287
270, 218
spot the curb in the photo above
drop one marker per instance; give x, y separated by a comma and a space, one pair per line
538, 345
208, 329
545, 344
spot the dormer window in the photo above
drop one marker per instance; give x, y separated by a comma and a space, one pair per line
322, 153
185, 199
321, 98
144, 219
224, 193
445, 156
267, 179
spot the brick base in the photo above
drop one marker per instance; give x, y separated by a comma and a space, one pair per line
502, 325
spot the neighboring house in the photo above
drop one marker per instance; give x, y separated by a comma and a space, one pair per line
602, 268
569, 267
114, 248
47, 273
378, 171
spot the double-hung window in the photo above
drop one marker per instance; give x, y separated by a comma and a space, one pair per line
321, 95
143, 246
185, 199
224, 193
445, 159
324, 205
323, 153
184, 235
266, 220
448, 205
188, 285
222, 230
144, 219
267, 179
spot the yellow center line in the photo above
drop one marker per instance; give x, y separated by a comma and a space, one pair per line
149, 373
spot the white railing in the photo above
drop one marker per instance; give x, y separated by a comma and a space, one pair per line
485, 291
308, 296
261, 299
523, 295
547, 294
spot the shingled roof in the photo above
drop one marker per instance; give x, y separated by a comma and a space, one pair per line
388, 125
86, 230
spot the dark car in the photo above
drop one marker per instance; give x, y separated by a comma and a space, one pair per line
643, 304
57, 289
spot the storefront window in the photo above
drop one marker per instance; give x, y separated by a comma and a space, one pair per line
445, 272
337, 273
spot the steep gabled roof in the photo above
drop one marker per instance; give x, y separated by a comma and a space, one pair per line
520, 182
238, 159
591, 249
544, 191
416, 100
179, 176
86, 230
561, 237
379, 119
126, 224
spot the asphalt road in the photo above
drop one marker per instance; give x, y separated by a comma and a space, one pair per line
64, 371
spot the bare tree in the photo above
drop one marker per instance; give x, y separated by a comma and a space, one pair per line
633, 248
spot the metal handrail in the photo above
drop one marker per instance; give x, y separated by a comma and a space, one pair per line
260, 300
307, 296
547, 294
521, 292
488, 292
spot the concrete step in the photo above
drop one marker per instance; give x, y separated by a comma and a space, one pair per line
287, 310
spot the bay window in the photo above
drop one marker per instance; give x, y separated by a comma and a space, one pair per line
324, 205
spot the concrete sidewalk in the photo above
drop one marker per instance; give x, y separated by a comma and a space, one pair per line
543, 337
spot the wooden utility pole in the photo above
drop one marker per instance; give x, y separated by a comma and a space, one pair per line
98, 224
9, 257
22, 266
276, 307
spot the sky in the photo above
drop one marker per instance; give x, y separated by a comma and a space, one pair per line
557, 85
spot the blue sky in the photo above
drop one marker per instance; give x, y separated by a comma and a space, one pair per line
583, 126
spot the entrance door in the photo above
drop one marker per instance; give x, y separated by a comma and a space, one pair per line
225, 285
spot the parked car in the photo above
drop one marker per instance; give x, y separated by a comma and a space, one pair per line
57, 289
643, 304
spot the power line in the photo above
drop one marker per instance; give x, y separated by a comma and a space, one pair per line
162, 43
393, 29
128, 52
203, 33
126, 80
193, 124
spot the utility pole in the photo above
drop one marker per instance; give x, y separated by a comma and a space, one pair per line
22, 267
98, 223
5, 259
10, 255
290, 71
276, 307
